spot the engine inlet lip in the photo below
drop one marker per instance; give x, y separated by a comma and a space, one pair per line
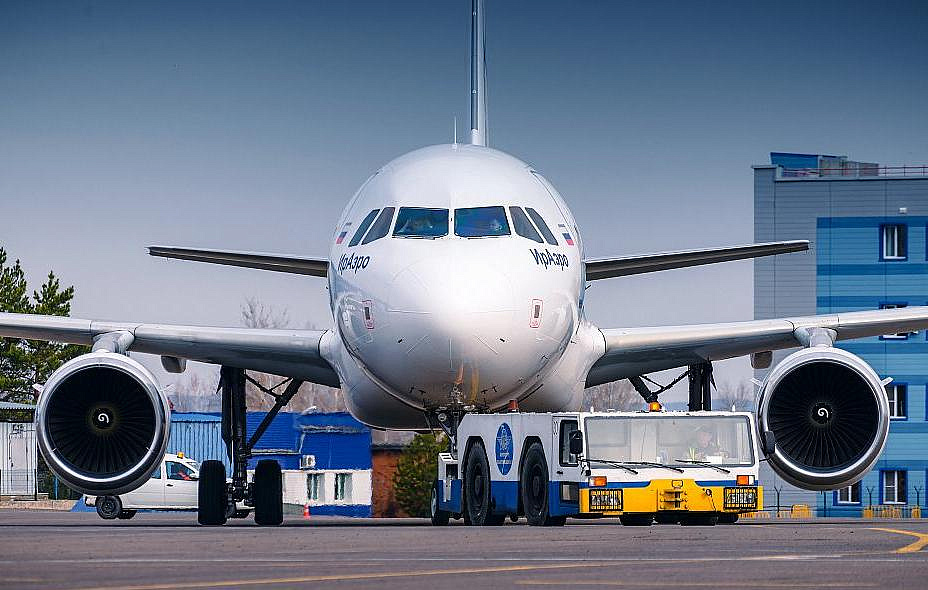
121, 482
803, 475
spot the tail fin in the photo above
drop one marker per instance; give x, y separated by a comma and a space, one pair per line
478, 76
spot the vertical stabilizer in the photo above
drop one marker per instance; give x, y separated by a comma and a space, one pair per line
478, 76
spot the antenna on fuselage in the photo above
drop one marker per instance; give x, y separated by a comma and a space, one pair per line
478, 76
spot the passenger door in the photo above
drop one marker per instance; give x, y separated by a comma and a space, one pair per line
565, 466
180, 491
150, 494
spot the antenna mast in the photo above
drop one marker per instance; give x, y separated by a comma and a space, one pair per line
478, 76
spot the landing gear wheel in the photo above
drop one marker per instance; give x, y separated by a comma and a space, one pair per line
109, 507
477, 510
728, 518
439, 517
636, 519
268, 493
126, 514
666, 519
700, 520
533, 486
211, 494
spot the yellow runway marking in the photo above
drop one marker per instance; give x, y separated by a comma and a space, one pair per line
630, 584
912, 547
347, 577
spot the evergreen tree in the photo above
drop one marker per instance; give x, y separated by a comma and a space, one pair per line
24, 362
416, 471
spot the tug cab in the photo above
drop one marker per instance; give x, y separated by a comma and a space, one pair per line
692, 468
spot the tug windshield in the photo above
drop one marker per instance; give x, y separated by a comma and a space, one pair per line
682, 441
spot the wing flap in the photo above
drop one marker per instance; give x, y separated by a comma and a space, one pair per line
291, 353
301, 265
605, 268
636, 351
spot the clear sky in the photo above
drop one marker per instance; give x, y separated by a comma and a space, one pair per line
247, 125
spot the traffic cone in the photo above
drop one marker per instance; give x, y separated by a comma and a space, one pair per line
305, 510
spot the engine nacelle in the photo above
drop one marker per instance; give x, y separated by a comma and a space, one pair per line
102, 423
829, 414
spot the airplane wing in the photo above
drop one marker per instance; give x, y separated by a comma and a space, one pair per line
637, 351
605, 268
301, 265
290, 353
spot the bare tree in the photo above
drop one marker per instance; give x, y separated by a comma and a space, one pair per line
617, 395
256, 314
197, 392
739, 396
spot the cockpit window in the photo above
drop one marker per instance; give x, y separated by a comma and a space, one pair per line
419, 222
363, 228
523, 226
480, 222
381, 227
542, 226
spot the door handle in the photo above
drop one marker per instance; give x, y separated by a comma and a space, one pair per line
170, 485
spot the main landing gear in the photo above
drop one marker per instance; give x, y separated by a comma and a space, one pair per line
218, 499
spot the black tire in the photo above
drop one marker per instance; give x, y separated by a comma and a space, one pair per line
533, 488
212, 496
728, 518
109, 507
439, 517
126, 514
478, 508
663, 518
700, 520
268, 493
636, 519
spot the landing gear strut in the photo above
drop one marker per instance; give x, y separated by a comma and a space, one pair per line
700, 386
218, 498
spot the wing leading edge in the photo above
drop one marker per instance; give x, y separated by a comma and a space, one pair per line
301, 265
605, 268
290, 353
637, 351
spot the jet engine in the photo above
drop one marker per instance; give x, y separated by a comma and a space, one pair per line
828, 415
102, 423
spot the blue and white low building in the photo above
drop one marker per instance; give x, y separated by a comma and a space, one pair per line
325, 457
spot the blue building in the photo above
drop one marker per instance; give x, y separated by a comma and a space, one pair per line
869, 227
325, 458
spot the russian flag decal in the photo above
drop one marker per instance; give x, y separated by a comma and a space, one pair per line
566, 234
341, 236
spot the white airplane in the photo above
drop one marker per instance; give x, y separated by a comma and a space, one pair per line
456, 281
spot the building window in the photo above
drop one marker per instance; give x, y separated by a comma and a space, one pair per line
896, 395
893, 242
342, 487
900, 335
314, 486
894, 487
849, 495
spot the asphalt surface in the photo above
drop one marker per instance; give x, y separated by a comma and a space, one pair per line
166, 551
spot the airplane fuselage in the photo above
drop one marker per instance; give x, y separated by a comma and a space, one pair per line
463, 284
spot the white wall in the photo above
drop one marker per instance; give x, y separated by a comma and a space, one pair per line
18, 459
294, 482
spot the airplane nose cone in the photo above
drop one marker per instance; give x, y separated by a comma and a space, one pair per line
453, 323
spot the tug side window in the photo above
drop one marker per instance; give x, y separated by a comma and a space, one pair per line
567, 427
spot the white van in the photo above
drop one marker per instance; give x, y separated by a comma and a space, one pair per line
172, 486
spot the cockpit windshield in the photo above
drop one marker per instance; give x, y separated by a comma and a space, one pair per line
480, 222
419, 222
